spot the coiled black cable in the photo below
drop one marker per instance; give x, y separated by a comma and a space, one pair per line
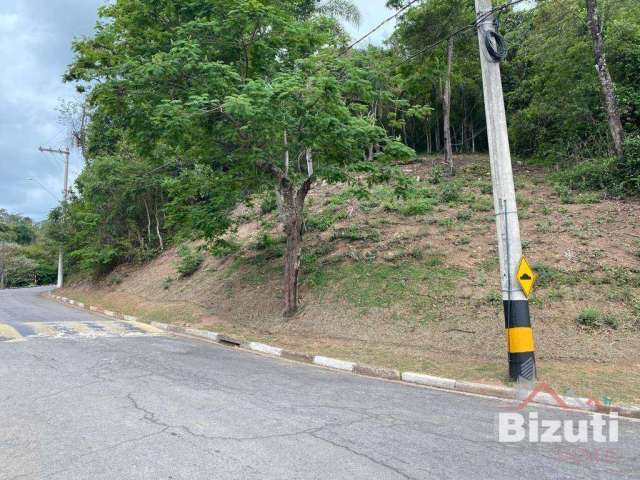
496, 46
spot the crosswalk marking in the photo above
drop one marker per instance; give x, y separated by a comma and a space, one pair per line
74, 329
9, 333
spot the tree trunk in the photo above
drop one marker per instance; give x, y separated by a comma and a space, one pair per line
146, 206
286, 153
446, 106
608, 90
473, 138
370, 157
309, 157
293, 207
160, 240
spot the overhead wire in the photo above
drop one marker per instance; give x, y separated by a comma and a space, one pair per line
462, 29
380, 25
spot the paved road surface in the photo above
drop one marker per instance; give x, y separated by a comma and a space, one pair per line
120, 404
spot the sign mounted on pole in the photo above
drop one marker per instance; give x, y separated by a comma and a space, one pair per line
526, 277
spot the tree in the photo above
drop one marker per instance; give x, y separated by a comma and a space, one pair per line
427, 24
606, 83
308, 103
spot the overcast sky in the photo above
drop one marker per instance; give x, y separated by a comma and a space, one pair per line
35, 39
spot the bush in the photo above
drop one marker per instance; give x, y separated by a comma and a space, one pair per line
188, 261
415, 206
269, 203
355, 233
629, 166
593, 318
450, 192
320, 223
269, 246
224, 248
437, 174
613, 175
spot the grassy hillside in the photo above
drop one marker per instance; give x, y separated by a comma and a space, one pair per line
414, 283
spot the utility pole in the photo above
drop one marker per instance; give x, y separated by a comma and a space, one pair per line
516, 305
64, 204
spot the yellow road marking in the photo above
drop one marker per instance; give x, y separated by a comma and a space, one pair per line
145, 327
44, 329
7, 331
79, 327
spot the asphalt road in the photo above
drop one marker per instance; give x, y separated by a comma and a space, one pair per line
144, 406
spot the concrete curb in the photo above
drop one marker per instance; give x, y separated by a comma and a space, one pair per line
448, 384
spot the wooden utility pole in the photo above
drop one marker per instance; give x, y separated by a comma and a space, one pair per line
65, 152
516, 305
606, 83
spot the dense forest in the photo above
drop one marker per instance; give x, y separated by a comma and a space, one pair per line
195, 107
27, 257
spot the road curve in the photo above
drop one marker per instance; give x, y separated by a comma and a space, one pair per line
157, 407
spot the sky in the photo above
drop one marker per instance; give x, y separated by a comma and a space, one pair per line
35, 46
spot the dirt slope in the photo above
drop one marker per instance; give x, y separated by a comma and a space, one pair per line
414, 283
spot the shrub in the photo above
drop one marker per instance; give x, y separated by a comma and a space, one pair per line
613, 175
450, 192
415, 206
593, 318
356, 233
482, 204
437, 174
223, 248
270, 246
486, 188
464, 215
188, 261
321, 222
565, 193
493, 297
167, 282
629, 166
269, 203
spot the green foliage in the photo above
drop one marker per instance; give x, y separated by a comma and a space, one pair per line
189, 261
613, 175
549, 276
225, 247
356, 233
322, 222
450, 192
268, 203
167, 282
437, 174
27, 258
269, 246
593, 318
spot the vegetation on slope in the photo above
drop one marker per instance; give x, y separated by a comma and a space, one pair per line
413, 282
27, 258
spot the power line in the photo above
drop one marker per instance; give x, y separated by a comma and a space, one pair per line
44, 188
461, 30
380, 25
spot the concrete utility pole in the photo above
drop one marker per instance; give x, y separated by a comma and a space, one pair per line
516, 305
64, 204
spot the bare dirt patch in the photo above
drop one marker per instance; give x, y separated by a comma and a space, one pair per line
414, 284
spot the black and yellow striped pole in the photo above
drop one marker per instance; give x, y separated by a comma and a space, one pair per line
516, 305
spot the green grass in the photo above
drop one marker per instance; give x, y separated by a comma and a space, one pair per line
593, 318
550, 276
369, 285
355, 233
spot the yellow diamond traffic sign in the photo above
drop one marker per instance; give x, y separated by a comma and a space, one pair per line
526, 277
